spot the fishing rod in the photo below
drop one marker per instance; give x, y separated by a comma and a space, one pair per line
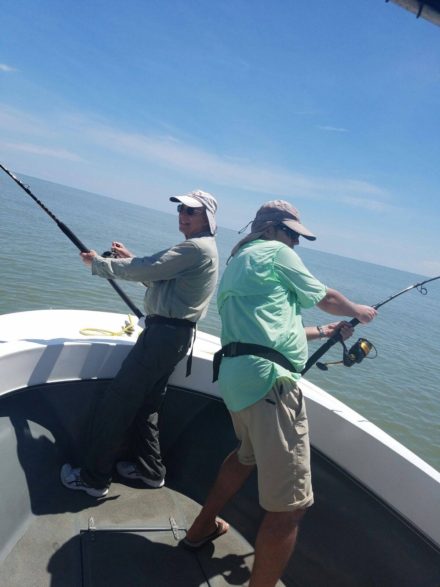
362, 347
76, 241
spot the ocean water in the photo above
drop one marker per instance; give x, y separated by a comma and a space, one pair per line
398, 390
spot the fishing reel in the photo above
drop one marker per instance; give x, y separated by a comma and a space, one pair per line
357, 353
111, 254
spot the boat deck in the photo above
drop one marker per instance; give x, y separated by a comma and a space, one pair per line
53, 537
130, 538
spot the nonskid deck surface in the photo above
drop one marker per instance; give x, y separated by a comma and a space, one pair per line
130, 538
51, 536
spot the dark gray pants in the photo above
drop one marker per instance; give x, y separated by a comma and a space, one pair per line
129, 408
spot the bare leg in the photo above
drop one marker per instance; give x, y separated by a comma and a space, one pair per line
274, 545
230, 478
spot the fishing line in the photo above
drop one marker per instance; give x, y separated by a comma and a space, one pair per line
76, 241
354, 322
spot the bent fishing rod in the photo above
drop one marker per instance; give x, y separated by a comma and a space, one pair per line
362, 347
76, 241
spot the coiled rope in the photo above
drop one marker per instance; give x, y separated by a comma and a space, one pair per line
127, 329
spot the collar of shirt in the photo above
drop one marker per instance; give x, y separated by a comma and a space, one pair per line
199, 234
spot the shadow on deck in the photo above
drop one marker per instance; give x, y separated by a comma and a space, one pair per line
50, 536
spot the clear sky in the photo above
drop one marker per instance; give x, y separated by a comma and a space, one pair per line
334, 106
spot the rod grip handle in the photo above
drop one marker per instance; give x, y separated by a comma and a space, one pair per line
325, 347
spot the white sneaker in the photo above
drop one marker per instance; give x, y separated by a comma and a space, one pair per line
71, 479
131, 471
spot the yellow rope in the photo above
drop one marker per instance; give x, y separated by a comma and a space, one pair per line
127, 329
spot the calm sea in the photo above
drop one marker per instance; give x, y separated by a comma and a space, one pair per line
398, 391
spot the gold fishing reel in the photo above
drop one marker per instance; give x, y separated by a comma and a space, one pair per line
356, 354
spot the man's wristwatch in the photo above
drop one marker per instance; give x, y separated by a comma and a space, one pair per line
320, 331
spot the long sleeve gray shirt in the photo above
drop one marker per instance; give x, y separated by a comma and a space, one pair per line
180, 281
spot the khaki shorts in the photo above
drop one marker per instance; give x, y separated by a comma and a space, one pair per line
274, 435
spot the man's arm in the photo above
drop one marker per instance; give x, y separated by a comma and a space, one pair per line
328, 330
161, 266
337, 304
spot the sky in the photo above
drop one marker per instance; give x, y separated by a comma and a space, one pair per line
332, 106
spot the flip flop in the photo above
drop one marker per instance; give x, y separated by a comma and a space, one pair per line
221, 528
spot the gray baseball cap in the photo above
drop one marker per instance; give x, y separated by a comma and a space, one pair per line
270, 214
200, 199
280, 211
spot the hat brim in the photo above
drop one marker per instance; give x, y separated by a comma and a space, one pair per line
299, 228
193, 203
187, 201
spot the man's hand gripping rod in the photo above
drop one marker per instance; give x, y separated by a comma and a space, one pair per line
354, 322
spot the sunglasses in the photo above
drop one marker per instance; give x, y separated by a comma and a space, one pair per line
290, 233
182, 209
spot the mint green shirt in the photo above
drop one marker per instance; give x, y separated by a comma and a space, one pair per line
261, 294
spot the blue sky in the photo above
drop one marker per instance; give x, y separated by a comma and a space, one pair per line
334, 106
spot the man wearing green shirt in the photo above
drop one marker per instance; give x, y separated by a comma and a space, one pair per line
261, 296
180, 282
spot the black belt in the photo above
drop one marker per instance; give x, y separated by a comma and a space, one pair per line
237, 349
155, 319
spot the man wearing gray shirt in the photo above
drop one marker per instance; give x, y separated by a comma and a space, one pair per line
180, 282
